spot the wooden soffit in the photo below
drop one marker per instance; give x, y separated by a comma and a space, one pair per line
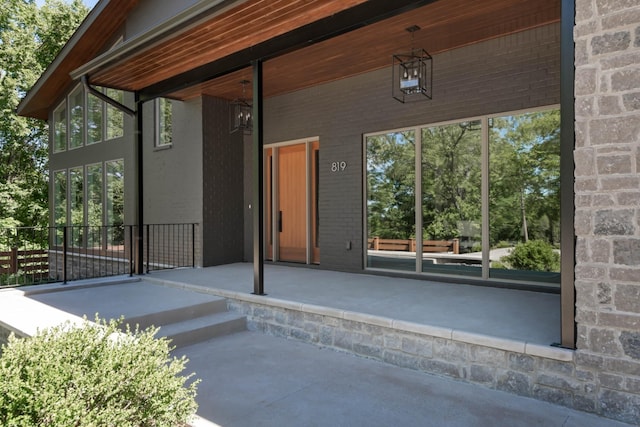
445, 25
240, 26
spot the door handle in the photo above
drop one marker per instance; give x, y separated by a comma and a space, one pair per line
280, 221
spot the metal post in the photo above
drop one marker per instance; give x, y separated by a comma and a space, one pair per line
64, 254
140, 186
131, 262
148, 246
567, 144
193, 245
258, 185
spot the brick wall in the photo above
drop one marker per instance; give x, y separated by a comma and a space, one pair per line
607, 197
222, 186
511, 73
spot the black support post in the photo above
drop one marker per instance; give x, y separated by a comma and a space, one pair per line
140, 187
258, 178
567, 205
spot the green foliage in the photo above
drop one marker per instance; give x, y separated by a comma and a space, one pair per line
525, 177
30, 38
534, 255
93, 375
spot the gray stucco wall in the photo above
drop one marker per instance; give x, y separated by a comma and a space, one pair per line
512, 73
149, 13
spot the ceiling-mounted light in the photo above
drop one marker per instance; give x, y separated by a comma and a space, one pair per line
241, 113
412, 73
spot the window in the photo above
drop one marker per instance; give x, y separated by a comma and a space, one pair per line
507, 228
59, 203
76, 204
95, 202
115, 117
100, 120
163, 119
95, 115
115, 201
89, 202
76, 118
525, 195
60, 128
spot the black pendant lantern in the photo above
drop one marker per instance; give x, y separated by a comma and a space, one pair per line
241, 113
412, 75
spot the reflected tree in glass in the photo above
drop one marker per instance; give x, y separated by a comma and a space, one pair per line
391, 193
525, 191
451, 184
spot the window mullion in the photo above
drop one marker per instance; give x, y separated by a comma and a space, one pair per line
418, 198
485, 237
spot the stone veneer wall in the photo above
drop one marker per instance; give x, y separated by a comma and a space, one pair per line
531, 370
607, 197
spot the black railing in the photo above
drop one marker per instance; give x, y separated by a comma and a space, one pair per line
34, 255
169, 246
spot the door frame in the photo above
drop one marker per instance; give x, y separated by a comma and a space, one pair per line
272, 206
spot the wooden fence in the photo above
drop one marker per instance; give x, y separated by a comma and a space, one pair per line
33, 263
409, 245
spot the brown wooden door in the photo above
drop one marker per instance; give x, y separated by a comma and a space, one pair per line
292, 184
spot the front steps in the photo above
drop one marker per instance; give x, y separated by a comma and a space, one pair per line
192, 324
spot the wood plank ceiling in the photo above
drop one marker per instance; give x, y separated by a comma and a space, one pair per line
445, 25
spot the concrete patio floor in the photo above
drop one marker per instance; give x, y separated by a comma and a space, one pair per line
251, 379
526, 316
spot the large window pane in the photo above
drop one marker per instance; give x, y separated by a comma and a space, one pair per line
115, 117
59, 204
60, 128
76, 205
115, 202
391, 201
451, 199
164, 133
76, 118
94, 204
525, 196
94, 119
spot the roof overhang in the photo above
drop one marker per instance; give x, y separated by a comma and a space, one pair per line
208, 48
93, 33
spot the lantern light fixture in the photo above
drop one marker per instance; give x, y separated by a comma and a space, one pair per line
241, 112
412, 73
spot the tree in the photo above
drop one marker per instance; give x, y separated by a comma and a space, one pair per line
525, 177
391, 185
30, 38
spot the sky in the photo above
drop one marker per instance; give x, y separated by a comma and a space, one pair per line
88, 3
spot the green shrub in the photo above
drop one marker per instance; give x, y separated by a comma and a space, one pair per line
93, 375
534, 255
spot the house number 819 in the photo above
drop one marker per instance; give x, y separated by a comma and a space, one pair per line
338, 166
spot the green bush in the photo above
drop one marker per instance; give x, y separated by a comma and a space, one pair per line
93, 375
534, 255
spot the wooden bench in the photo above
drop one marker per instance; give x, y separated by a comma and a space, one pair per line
409, 245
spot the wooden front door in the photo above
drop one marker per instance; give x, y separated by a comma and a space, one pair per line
292, 196
291, 203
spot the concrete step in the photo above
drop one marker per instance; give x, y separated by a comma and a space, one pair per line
203, 328
180, 314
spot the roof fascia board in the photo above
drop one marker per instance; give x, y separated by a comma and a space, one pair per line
66, 50
177, 24
343, 22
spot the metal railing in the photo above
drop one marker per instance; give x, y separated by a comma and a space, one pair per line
35, 255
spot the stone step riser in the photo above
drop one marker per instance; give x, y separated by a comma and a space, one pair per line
178, 315
204, 333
